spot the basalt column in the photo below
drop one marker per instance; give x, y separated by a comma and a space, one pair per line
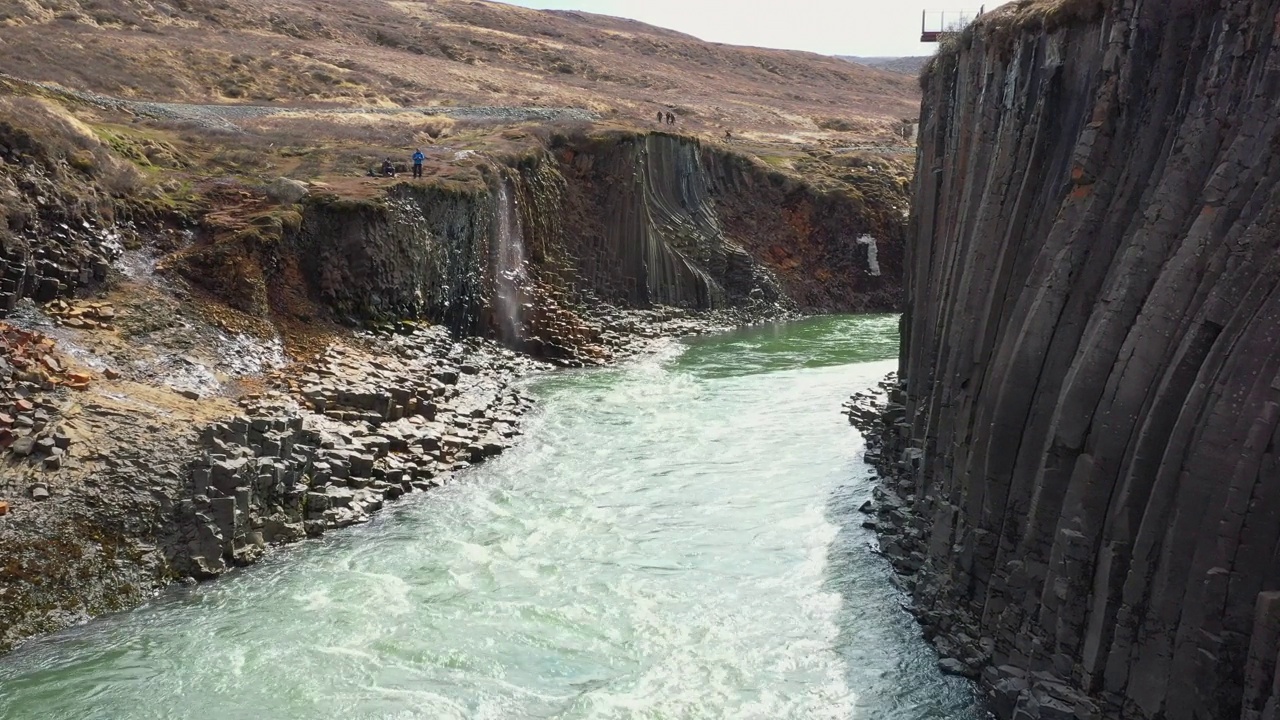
1091, 359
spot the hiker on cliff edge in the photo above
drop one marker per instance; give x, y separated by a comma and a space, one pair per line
418, 157
671, 119
388, 170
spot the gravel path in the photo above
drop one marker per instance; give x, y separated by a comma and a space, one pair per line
896, 149
226, 117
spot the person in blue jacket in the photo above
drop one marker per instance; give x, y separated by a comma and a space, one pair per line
418, 157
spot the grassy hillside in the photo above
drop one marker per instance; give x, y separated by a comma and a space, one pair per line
442, 52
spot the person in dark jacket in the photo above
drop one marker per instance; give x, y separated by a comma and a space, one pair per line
388, 170
418, 157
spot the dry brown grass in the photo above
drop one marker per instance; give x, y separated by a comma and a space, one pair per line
434, 52
1052, 14
398, 130
45, 132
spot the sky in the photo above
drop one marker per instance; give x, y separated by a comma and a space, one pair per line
830, 27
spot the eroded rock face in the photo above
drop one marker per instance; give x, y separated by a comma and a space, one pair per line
421, 252
634, 221
52, 242
1085, 438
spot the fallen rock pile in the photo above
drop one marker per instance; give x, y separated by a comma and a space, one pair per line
30, 375
345, 434
903, 535
82, 315
550, 330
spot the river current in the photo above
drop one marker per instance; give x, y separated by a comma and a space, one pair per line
674, 538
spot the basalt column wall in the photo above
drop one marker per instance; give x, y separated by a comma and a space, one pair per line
1091, 361
645, 225
634, 220
662, 218
419, 252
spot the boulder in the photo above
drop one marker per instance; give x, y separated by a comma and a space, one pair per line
23, 446
952, 666
286, 191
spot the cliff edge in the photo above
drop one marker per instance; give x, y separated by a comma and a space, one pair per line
1083, 443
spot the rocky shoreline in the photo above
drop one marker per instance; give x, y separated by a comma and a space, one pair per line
114, 489
899, 514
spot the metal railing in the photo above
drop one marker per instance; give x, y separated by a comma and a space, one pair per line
936, 23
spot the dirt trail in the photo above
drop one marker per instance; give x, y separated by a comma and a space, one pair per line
225, 117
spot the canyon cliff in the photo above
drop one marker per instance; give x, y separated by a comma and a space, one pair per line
631, 220
223, 328
1083, 441
195, 368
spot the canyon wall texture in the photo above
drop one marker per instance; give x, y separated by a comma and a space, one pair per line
632, 220
1085, 436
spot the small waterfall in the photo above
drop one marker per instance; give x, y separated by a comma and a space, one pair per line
511, 275
873, 264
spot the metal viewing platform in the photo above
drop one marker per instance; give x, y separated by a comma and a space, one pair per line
937, 24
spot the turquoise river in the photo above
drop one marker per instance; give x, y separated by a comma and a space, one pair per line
673, 538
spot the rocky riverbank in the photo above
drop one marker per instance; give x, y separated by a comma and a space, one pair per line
904, 532
117, 484
116, 488
207, 363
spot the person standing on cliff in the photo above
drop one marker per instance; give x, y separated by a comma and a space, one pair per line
418, 157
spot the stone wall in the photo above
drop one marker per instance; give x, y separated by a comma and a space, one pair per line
1084, 443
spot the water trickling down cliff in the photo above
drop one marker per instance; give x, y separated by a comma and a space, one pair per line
1086, 440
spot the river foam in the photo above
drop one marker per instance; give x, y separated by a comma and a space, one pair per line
674, 539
